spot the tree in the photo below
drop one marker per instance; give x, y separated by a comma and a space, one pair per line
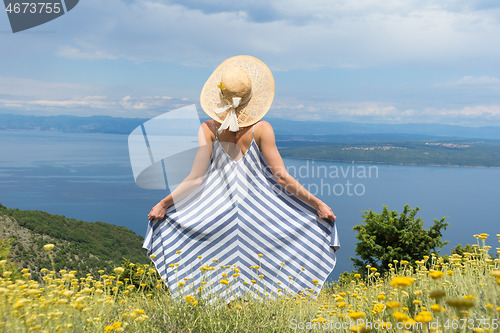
460, 250
392, 236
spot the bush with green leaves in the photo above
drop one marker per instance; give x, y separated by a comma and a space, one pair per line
392, 236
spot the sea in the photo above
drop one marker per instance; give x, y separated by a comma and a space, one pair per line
89, 177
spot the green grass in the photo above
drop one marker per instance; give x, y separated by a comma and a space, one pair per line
449, 293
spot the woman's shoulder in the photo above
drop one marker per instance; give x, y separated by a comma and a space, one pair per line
263, 129
263, 126
208, 128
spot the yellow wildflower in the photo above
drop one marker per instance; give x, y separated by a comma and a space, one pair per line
19, 304
423, 317
393, 304
402, 281
399, 316
436, 308
356, 315
48, 247
113, 327
359, 328
119, 270
436, 274
224, 281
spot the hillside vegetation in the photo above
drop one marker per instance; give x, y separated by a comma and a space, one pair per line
433, 294
81, 246
446, 153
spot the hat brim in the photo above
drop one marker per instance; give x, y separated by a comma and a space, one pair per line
262, 91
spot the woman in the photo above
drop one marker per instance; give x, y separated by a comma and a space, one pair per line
239, 209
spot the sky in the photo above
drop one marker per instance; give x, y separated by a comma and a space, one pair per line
369, 61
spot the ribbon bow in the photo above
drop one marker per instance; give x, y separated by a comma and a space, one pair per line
231, 120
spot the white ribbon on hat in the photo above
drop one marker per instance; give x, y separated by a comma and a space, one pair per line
231, 119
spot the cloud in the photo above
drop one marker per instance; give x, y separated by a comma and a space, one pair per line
122, 43
16, 98
286, 34
377, 112
146, 106
94, 102
470, 80
22, 87
82, 53
29, 96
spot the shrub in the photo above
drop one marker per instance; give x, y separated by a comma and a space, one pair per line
392, 236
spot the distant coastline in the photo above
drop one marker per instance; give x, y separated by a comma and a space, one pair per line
319, 131
418, 153
404, 144
389, 163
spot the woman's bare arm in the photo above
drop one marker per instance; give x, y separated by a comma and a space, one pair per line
264, 135
195, 177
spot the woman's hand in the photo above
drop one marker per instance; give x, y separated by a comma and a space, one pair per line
157, 212
325, 212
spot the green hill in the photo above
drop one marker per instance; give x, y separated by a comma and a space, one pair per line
82, 246
431, 152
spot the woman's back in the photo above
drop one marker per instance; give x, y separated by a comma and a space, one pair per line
239, 225
242, 227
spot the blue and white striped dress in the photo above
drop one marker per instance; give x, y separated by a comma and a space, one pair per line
241, 233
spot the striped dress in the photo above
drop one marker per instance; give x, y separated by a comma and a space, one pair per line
241, 234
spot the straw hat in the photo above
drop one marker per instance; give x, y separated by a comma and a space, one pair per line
238, 93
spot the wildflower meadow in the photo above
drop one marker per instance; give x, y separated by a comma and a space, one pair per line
457, 293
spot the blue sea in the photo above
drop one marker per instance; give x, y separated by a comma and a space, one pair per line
89, 177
